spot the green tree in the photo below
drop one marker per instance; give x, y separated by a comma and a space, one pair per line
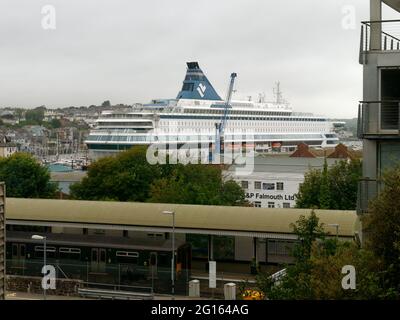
55, 123
326, 273
382, 227
124, 177
25, 177
316, 272
332, 188
296, 284
197, 184
35, 115
106, 103
129, 177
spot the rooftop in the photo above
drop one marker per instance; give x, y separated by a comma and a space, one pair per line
218, 220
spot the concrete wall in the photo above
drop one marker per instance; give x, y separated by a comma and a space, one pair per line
278, 197
64, 287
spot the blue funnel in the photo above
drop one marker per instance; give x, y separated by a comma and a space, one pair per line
196, 85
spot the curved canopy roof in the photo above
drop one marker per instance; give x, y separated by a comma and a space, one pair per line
263, 222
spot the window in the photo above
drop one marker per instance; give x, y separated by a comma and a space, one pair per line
22, 250
130, 254
279, 186
155, 235
70, 253
271, 204
187, 86
269, 186
286, 205
50, 252
48, 249
257, 204
245, 184
257, 185
14, 250
280, 247
102, 255
70, 250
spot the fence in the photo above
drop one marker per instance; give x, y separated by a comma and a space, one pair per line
378, 117
140, 279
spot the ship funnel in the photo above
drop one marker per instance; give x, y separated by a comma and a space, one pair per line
196, 85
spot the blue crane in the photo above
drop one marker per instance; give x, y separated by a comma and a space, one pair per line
220, 127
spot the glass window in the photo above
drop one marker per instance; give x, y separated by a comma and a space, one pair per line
257, 185
14, 250
187, 86
22, 250
269, 186
224, 247
271, 247
257, 204
130, 257
50, 252
245, 184
102, 255
69, 253
286, 205
127, 254
199, 245
70, 250
279, 186
94, 255
271, 204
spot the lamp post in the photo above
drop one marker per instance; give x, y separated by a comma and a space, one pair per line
37, 237
173, 252
336, 225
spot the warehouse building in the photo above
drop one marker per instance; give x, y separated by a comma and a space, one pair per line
276, 178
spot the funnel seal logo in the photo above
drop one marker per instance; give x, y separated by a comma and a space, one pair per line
201, 89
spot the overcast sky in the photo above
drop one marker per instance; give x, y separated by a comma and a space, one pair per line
133, 51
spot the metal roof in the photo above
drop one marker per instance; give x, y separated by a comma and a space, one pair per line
240, 221
285, 165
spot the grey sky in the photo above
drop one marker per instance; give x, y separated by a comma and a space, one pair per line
133, 51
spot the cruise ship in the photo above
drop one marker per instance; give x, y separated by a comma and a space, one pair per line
191, 119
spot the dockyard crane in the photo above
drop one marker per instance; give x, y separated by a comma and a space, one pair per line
220, 127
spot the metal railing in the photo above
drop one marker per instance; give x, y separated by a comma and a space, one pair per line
115, 276
381, 35
378, 118
368, 189
112, 291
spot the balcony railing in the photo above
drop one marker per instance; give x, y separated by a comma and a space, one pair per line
378, 118
380, 35
368, 189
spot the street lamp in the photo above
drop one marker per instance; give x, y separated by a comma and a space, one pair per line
336, 225
37, 237
173, 251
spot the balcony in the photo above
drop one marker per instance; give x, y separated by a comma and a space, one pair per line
368, 189
379, 120
379, 36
